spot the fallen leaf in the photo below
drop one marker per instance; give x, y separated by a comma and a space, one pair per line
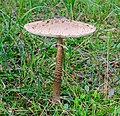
111, 93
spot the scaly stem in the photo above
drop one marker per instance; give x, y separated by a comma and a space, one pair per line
58, 71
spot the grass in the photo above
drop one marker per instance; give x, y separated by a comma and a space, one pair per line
27, 61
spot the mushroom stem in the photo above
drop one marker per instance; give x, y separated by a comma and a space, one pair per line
58, 71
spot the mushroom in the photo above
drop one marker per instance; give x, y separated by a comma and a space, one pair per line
60, 28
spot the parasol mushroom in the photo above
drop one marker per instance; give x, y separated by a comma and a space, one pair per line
59, 28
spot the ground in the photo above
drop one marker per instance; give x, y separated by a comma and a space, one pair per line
27, 61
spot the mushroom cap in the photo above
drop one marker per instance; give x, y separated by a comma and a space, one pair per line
60, 27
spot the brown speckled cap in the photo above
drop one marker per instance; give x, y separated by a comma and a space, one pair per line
60, 27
